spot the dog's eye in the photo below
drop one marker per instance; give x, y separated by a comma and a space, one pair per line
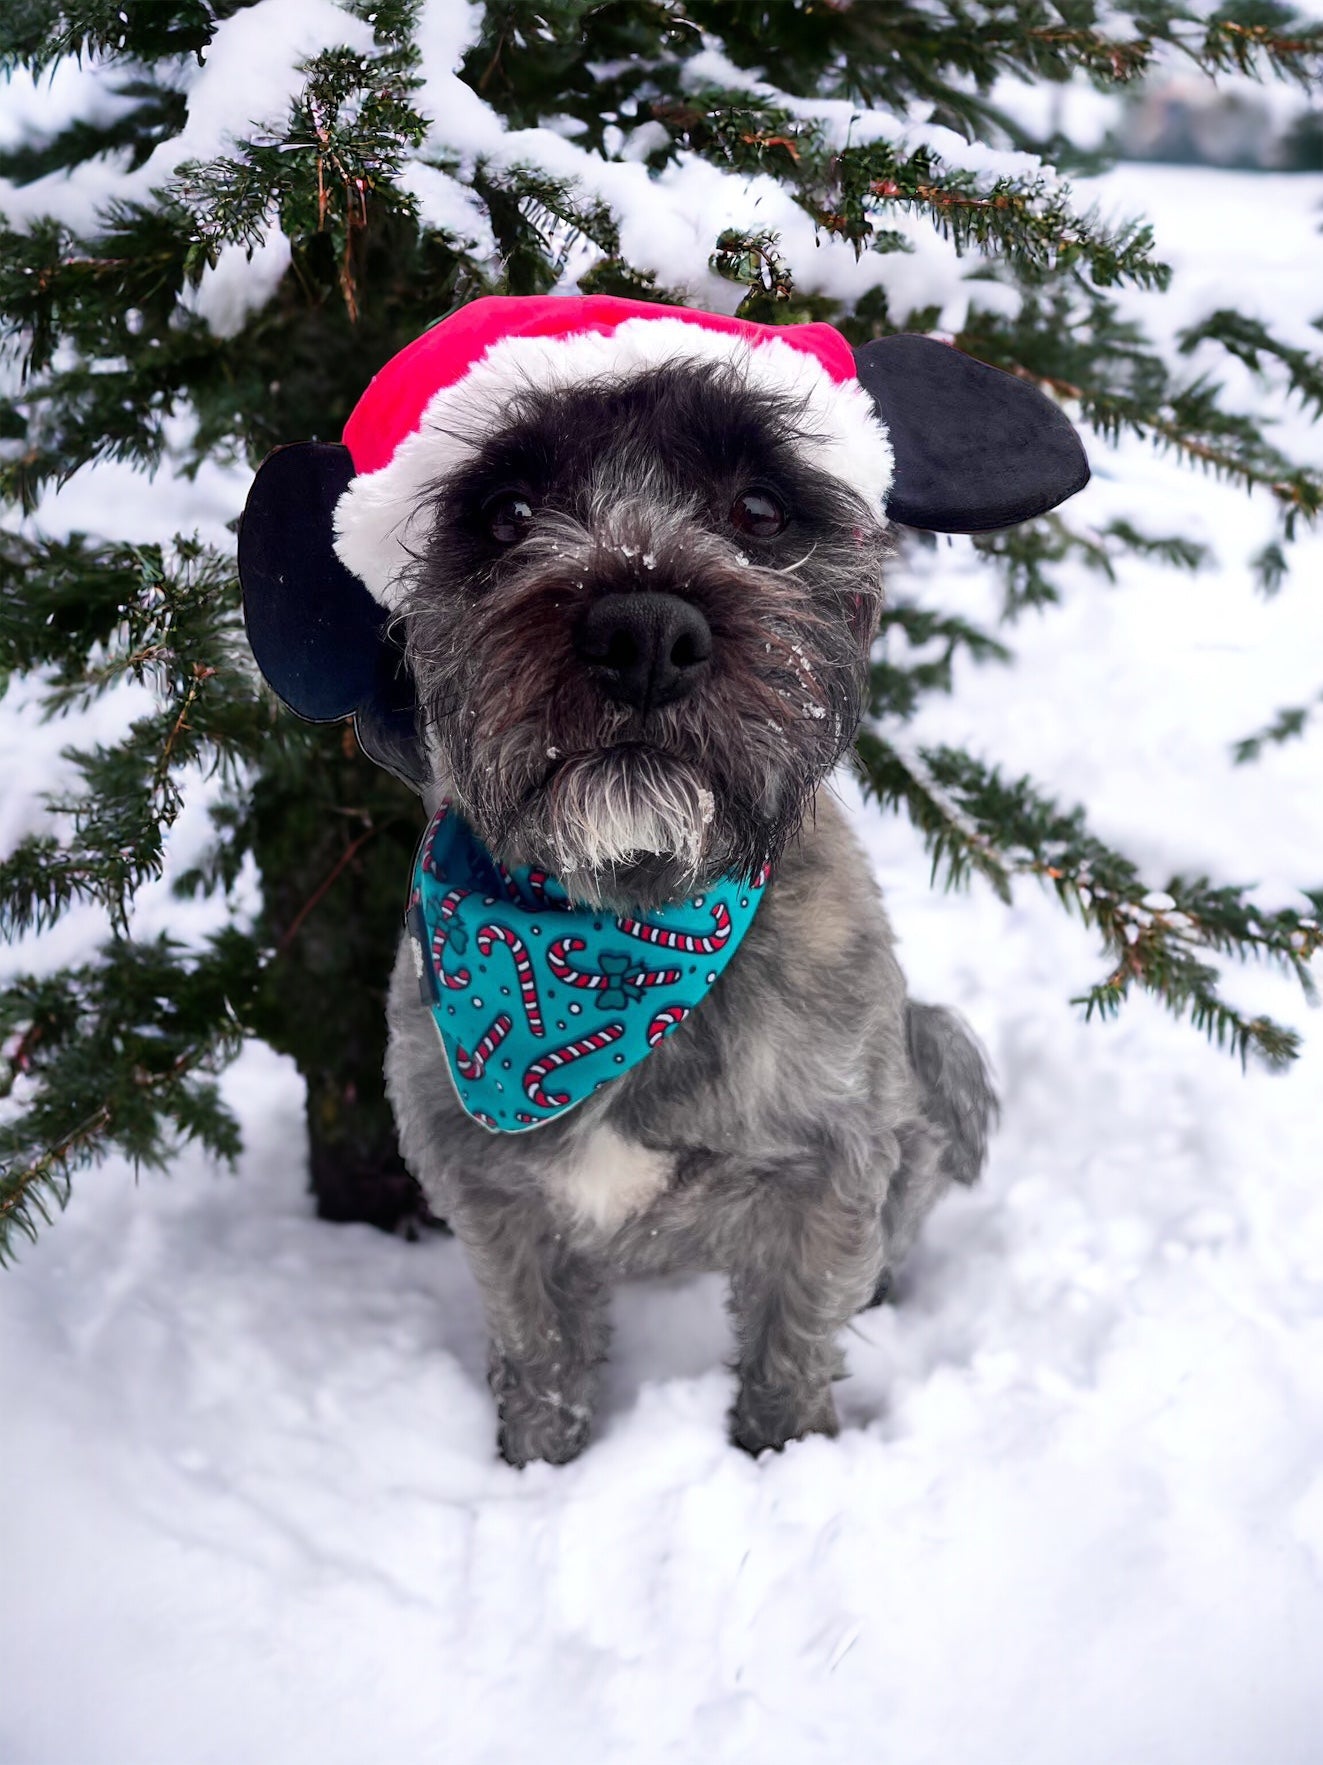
757, 513
508, 517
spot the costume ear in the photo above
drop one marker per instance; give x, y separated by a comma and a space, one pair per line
975, 448
319, 637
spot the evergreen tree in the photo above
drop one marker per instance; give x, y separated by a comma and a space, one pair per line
386, 195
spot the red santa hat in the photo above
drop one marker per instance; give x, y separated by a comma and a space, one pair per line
432, 406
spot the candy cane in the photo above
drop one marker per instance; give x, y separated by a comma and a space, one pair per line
485, 1120
491, 935
522, 1115
537, 887
472, 1066
535, 884
441, 937
429, 863
669, 1018
603, 1038
508, 883
688, 943
558, 962
763, 877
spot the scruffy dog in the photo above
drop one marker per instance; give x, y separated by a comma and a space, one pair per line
635, 614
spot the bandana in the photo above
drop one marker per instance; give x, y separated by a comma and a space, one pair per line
539, 1002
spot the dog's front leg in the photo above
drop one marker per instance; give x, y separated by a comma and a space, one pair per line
546, 1311
808, 1258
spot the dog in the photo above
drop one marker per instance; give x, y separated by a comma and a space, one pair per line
623, 588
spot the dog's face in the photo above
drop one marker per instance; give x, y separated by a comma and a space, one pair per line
623, 622
639, 632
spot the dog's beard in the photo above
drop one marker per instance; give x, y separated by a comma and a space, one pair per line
631, 812
627, 825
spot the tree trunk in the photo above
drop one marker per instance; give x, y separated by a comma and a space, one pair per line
334, 838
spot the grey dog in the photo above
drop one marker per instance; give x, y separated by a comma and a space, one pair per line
799, 1131
638, 626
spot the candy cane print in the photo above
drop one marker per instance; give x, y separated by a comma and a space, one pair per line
441, 937
558, 1057
558, 961
484, 1120
491, 935
508, 883
535, 884
537, 887
669, 1018
472, 1066
429, 863
688, 943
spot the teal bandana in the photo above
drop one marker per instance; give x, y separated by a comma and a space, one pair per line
539, 1002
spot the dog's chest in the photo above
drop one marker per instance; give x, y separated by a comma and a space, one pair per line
601, 1179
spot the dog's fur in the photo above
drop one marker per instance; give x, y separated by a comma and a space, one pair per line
797, 1128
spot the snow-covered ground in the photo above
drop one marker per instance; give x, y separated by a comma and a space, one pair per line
250, 1508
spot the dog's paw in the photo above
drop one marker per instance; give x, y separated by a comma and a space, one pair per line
535, 1423
549, 1431
760, 1419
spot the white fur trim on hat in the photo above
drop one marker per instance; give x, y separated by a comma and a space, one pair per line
381, 518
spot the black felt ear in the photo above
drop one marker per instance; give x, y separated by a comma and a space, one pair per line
319, 637
975, 448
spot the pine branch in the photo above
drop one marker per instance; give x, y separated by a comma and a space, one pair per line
152, 113
754, 259
899, 682
119, 1055
1249, 340
974, 821
537, 220
352, 128
1255, 37
1026, 555
36, 35
849, 192
1288, 725
1074, 345
1269, 566
959, 847
113, 295
170, 622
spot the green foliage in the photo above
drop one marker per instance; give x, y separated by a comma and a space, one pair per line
169, 623
35, 34
932, 640
151, 114
106, 353
1288, 725
120, 1053
1071, 340
350, 133
1251, 342
1026, 554
975, 822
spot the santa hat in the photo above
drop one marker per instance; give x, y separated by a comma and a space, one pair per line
431, 407
928, 436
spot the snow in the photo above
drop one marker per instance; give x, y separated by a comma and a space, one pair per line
844, 125
239, 282
249, 1502
249, 72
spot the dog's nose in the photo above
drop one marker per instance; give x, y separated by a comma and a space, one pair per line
648, 649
